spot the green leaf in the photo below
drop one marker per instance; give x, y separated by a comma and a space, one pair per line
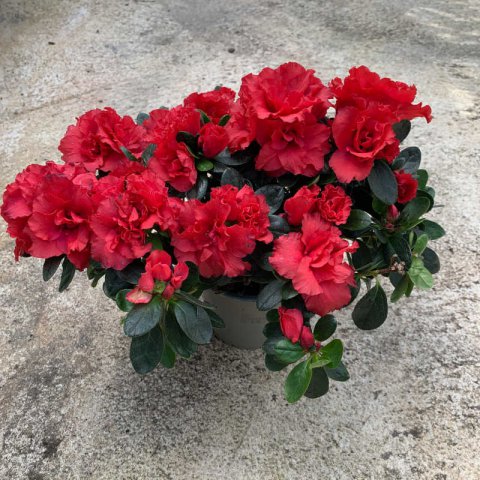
273, 364
204, 165
114, 283
288, 291
419, 275
129, 154
422, 178
358, 220
194, 321
204, 117
270, 295
379, 206
215, 319
402, 129
332, 352
400, 289
269, 345
325, 327
420, 244
408, 160
223, 120
297, 381
428, 196
179, 342
413, 211
401, 248
319, 384
225, 158
278, 225
288, 352
432, 229
191, 299
148, 152
50, 266
168, 356
272, 330
122, 303
187, 138
339, 373
141, 117
143, 317
68, 272
274, 195
200, 188
146, 351
431, 260
231, 177
371, 310
383, 183
273, 316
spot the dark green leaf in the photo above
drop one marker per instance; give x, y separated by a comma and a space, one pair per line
264, 263
129, 154
383, 183
339, 373
278, 225
270, 295
204, 165
408, 160
288, 352
191, 299
274, 195
428, 196
269, 345
122, 303
68, 272
297, 381
400, 289
422, 178
204, 117
131, 273
141, 117
148, 152
432, 229
419, 275
231, 177
187, 138
319, 384
194, 321
273, 316
358, 220
379, 206
420, 244
146, 351
402, 129
143, 317
332, 352
114, 283
402, 249
325, 327
232, 161
288, 291
371, 310
50, 266
223, 120
200, 188
431, 260
215, 319
168, 356
179, 342
273, 364
272, 330
413, 211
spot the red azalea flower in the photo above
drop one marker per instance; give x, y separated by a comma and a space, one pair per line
362, 136
362, 86
334, 205
314, 260
291, 324
171, 160
204, 237
241, 128
301, 203
213, 139
215, 103
247, 209
96, 139
158, 267
407, 186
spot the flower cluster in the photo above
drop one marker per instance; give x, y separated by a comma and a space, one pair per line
291, 190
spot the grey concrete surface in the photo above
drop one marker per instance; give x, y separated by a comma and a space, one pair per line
70, 405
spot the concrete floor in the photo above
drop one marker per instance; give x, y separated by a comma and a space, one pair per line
71, 406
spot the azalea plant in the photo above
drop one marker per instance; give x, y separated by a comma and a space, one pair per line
293, 191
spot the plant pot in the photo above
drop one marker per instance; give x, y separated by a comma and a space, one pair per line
243, 321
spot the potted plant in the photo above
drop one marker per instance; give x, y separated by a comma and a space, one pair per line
278, 205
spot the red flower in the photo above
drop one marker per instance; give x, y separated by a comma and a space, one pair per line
171, 159
301, 203
363, 86
204, 237
241, 128
246, 209
126, 207
215, 103
407, 186
334, 205
392, 215
213, 139
362, 136
158, 268
314, 260
96, 139
291, 324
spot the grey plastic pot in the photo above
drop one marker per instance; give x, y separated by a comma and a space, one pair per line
243, 321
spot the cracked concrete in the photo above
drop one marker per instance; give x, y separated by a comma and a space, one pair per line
70, 405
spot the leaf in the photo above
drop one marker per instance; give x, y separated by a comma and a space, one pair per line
269, 345
114, 283
231, 177
272, 330
194, 321
143, 317
204, 165
371, 310
179, 342
273, 316
191, 299
358, 220
422, 178
325, 327
274, 195
200, 188
428, 196
204, 117
332, 352
215, 319
278, 225
227, 159
270, 295
339, 373
129, 154
419, 275
408, 160
288, 352
146, 351
400, 289
319, 384
413, 211
401, 248
383, 183
122, 303
431, 260
132, 272
297, 381
402, 129
187, 138
223, 120
288, 291
420, 244
68, 272
432, 229
168, 356
148, 152
273, 364
141, 117
50, 266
